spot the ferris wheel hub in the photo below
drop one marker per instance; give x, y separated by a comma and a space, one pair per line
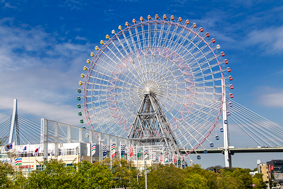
147, 90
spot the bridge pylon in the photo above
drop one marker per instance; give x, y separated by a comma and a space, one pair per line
14, 129
227, 154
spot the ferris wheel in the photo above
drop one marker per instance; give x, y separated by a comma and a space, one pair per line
157, 80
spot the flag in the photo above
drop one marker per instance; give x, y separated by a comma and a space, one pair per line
113, 149
122, 150
25, 149
175, 158
104, 150
9, 146
166, 158
131, 151
146, 154
93, 149
138, 152
18, 161
36, 151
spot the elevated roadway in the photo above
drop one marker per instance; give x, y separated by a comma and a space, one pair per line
238, 150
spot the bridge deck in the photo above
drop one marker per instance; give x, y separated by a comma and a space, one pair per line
238, 150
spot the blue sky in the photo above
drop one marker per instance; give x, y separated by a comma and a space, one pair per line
44, 45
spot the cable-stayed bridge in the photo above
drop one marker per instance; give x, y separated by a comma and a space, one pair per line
264, 134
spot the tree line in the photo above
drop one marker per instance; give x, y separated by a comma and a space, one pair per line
120, 174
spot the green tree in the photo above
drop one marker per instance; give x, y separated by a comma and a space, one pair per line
124, 175
20, 181
258, 181
229, 182
55, 175
163, 177
90, 175
195, 181
207, 178
242, 176
6, 171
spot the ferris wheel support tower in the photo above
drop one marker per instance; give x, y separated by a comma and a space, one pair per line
150, 125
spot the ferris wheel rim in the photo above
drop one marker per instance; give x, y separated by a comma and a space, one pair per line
100, 52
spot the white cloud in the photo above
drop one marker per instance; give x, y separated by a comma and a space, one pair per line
272, 99
40, 71
268, 39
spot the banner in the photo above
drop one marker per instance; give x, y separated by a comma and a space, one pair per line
151, 156
161, 158
18, 161
166, 158
51, 154
175, 158
122, 150
138, 152
156, 157
146, 154
113, 150
170, 158
131, 151
93, 149
104, 150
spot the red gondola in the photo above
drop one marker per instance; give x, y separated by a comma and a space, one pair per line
222, 53
213, 40
207, 34
201, 29
226, 61
231, 86
228, 69
230, 78
231, 95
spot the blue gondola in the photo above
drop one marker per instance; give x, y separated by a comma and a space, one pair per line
211, 144
221, 130
225, 121
217, 137
198, 157
205, 151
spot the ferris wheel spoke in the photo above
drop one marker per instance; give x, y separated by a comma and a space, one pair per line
172, 36
189, 106
136, 51
144, 50
160, 35
115, 73
133, 52
121, 44
109, 87
181, 124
